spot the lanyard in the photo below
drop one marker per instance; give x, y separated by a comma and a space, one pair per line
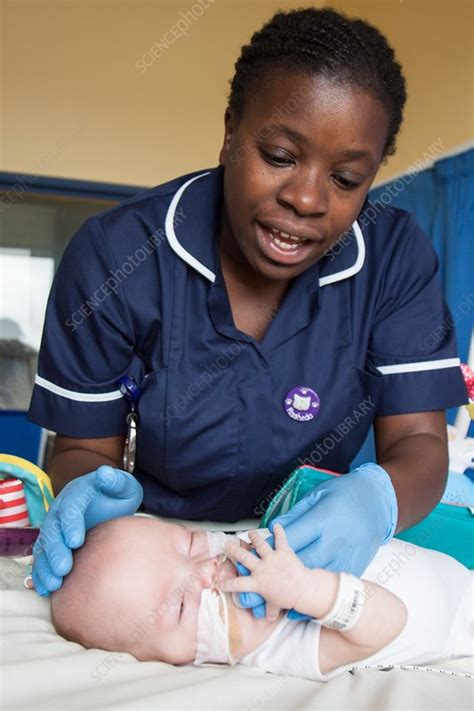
132, 393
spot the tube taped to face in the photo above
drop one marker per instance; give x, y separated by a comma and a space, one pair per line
217, 626
216, 541
212, 631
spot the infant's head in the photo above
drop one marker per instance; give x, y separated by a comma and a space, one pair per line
135, 587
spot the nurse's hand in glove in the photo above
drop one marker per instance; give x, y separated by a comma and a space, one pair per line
339, 525
83, 503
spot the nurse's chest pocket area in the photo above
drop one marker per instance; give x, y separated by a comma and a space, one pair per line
194, 426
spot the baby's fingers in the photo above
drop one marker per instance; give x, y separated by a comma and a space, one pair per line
260, 544
273, 611
281, 540
241, 555
237, 585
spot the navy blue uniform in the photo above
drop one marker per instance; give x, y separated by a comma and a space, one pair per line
140, 291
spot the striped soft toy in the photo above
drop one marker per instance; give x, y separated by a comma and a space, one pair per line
25, 492
13, 508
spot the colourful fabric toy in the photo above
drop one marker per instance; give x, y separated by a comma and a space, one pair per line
13, 510
468, 379
36, 490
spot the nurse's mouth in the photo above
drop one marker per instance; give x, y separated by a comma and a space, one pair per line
282, 248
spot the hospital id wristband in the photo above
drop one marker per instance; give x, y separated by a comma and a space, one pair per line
348, 606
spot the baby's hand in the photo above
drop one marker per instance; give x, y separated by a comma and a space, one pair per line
278, 575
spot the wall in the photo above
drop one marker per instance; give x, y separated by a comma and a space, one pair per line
76, 104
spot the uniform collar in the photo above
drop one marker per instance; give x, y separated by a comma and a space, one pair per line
193, 219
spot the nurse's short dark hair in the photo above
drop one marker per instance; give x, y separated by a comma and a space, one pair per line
325, 42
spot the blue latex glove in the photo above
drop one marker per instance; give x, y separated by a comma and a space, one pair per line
339, 525
83, 503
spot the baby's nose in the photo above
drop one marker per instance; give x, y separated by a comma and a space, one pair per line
207, 572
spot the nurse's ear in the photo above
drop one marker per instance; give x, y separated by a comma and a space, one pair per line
230, 125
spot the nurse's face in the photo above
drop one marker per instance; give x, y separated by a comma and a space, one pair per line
301, 160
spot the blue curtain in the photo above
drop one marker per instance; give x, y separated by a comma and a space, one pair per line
442, 201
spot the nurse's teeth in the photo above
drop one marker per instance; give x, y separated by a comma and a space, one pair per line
283, 245
285, 235
296, 239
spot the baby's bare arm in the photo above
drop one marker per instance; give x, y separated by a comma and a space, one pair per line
383, 617
285, 583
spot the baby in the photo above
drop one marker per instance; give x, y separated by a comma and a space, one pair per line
164, 592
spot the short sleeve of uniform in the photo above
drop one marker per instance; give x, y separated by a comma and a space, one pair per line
87, 343
413, 342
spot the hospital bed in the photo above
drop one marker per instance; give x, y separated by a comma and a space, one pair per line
41, 670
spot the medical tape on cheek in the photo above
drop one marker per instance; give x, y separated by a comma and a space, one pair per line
218, 633
231, 621
218, 629
216, 541
212, 637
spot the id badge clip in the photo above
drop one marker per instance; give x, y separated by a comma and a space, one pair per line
132, 393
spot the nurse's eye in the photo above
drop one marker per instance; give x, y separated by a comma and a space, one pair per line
345, 183
276, 160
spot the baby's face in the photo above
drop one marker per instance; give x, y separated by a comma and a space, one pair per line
182, 568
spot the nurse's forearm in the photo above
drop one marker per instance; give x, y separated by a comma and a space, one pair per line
418, 468
68, 465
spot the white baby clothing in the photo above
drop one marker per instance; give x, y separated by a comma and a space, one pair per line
439, 595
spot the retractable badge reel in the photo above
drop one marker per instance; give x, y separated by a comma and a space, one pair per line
132, 393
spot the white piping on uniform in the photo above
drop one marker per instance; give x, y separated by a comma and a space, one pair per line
171, 235
202, 269
421, 365
73, 395
356, 267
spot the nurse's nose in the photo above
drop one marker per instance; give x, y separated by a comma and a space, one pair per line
306, 193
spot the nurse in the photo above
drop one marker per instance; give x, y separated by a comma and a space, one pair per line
256, 316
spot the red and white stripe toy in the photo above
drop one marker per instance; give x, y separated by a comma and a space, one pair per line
13, 509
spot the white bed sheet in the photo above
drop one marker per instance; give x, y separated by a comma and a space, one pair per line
41, 670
